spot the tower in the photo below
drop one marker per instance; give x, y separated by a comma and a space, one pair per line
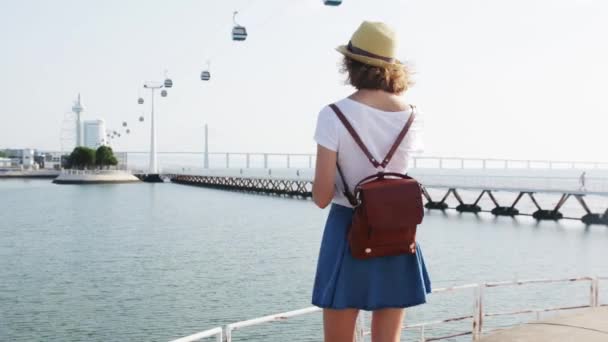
77, 109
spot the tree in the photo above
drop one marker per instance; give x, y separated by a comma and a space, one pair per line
81, 157
3, 154
104, 156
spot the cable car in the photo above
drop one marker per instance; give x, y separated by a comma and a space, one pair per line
124, 124
141, 119
239, 33
140, 100
163, 93
128, 131
206, 74
168, 83
332, 2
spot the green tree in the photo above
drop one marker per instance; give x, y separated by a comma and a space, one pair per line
81, 158
104, 156
3, 154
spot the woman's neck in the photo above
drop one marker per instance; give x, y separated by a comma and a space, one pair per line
380, 99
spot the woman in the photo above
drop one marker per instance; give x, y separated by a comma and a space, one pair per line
377, 111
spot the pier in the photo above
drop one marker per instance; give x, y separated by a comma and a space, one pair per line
442, 179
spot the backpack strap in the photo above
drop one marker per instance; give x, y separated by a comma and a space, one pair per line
399, 139
352, 199
354, 134
359, 142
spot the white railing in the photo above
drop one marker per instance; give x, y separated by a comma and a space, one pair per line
514, 182
307, 160
495, 163
218, 333
478, 316
93, 172
303, 160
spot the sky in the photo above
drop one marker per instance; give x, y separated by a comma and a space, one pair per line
518, 79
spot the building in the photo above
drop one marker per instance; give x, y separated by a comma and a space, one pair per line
94, 133
23, 158
27, 158
5, 162
51, 160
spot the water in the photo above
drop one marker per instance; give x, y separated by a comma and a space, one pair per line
152, 262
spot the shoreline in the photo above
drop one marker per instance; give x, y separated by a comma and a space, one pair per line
44, 174
95, 177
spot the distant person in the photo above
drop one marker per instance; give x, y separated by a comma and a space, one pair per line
378, 112
582, 180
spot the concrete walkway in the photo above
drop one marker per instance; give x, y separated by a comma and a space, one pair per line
95, 177
588, 325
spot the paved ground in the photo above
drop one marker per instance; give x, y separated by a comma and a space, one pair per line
589, 325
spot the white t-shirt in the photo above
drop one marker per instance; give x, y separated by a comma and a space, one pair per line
378, 130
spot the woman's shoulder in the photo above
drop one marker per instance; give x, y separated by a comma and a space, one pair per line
354, 109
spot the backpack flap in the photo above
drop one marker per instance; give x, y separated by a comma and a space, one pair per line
392, 203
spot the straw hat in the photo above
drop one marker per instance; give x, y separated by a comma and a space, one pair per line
373, 43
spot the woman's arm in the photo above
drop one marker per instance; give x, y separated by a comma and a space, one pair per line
325, 175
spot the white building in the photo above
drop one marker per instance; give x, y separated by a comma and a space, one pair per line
5, 162
94, 133
27, 158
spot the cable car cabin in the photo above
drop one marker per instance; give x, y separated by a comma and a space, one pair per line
141, 119
205, 75
332, 2
140, 100
168, 83
239, 33
163, 93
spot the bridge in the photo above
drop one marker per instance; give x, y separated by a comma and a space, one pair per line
498, 184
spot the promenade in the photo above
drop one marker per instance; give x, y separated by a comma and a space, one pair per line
588, 325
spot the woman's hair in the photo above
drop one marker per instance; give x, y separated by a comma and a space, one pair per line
364, 76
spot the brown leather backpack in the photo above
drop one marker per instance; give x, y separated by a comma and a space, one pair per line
388, 206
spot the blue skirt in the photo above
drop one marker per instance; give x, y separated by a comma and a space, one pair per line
345, 282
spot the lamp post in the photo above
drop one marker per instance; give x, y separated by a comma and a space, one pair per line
206, 155
153, 86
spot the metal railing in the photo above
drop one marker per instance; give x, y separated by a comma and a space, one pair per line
515, 182
218, 333
278, 160
93, 172
307, 160
496, 163
477, 317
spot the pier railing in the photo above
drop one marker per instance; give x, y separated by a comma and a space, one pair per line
307, 160
495, 163
477, 317
93, 172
